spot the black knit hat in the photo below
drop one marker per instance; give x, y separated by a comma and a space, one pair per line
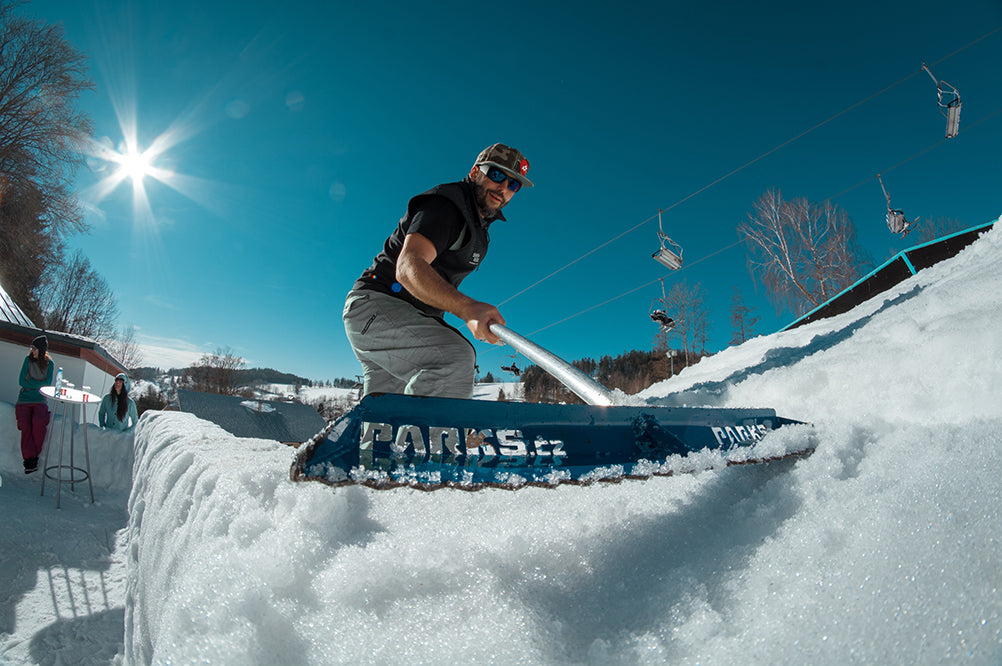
41, 343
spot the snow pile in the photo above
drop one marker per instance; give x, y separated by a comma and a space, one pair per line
881, 547
927, 351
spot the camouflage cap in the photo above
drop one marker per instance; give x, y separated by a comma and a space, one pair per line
508, 160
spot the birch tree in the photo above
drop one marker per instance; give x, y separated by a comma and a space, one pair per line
803, 253
684, 304
935, 229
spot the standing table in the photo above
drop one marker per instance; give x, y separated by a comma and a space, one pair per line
75, 402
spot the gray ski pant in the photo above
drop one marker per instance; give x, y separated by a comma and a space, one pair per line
403, 350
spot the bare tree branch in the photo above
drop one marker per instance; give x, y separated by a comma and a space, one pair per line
79, 301
41, 80
942, 226
684, 304
742, 321
803, 253
125, 348
216, 373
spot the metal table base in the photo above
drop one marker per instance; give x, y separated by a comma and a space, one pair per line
71, 473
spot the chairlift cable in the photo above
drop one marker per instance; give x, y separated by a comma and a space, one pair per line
738, 242
635, 289
969, 44
741, 168
969, 127
586, 254
700, 191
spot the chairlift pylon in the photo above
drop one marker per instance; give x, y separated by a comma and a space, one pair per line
951, 108
669, 258
896, 221
660, 316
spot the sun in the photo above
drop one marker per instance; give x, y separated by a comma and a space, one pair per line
130, 162
134, 165
152, 159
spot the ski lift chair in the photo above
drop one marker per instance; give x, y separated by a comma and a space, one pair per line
513, 369
896, 221
659, 316
670, 258
665, 256
950, 108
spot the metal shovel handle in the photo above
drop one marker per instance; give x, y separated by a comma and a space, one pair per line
581, 384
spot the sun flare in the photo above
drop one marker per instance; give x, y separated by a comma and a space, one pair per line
134, 164
151, 161
129, 162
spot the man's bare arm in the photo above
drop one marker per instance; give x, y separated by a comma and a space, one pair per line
415, 273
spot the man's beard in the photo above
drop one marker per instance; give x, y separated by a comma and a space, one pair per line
480, 195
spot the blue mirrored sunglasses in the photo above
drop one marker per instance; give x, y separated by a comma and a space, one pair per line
499, 176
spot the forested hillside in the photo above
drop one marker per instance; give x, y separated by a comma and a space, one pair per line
630, 372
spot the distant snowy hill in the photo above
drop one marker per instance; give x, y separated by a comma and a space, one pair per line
313, 394
512, 391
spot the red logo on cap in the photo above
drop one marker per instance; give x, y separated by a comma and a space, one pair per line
523, 166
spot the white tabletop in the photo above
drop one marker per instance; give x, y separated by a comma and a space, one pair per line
67, 394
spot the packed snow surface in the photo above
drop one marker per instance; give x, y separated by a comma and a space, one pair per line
881, 547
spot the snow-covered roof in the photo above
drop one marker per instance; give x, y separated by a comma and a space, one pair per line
17, 329
10, 312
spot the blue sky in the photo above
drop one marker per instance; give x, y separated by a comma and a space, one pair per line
296, 133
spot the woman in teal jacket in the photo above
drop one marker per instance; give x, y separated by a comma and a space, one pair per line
118, 410
31, 410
